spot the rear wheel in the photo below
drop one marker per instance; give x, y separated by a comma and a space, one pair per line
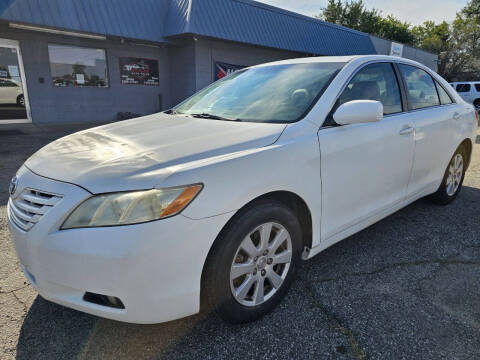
452, 180
253, 262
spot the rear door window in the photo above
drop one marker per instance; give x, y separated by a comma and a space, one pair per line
477, 87
445, 99
420, 87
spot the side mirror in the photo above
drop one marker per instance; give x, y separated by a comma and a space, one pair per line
358, 112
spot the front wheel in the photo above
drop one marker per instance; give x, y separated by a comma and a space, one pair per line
476, 103
21, 100
253, 262
452, 180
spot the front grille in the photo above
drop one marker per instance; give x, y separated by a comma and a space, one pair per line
29, 207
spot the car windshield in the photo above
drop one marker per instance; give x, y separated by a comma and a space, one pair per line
276, 93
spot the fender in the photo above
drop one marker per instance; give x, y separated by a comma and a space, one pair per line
291, 164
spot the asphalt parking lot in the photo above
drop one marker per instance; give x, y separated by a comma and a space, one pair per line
407, 287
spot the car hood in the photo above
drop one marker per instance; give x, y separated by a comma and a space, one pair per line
140, 153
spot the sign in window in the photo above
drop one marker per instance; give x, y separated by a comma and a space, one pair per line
137, 71
77, 66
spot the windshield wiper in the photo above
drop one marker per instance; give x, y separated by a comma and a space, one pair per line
213, 117
172, 112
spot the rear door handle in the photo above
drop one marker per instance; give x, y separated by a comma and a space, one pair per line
406, 130
456, 116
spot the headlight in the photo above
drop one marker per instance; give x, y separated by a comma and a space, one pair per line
134, 207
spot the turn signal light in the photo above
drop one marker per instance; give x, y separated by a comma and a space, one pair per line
182, 200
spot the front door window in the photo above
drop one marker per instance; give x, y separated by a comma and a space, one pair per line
375, 82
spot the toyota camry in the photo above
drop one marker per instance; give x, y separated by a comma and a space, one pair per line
215, 203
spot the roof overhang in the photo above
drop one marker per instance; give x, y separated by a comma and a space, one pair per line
56, 31
243, 21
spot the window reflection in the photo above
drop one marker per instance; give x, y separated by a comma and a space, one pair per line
275, 93
77, 66
12, 97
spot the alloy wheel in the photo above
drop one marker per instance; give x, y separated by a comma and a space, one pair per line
261, 264
455, 174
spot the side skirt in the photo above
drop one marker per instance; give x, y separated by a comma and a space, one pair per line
362, 225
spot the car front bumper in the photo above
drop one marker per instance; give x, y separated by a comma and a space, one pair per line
153, 268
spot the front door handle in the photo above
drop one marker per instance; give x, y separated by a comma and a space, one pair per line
406, 130
456, 116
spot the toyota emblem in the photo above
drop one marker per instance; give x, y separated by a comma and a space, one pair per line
13, 185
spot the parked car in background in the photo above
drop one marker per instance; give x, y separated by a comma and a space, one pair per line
469, 91
214, 203
11, 92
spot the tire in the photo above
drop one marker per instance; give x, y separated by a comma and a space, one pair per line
218, 282
445, 195
476, 103
21, 100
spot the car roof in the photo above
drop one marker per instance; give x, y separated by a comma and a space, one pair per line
341, 59
12, 80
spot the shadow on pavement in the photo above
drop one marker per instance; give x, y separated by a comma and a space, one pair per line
406, 287
51, 331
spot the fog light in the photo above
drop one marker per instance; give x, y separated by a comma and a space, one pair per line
104, 300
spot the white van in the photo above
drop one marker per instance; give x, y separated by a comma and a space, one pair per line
469, 91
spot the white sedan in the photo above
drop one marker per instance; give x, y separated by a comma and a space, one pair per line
11, 92
215, 203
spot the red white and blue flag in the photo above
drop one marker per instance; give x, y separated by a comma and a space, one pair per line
223, 69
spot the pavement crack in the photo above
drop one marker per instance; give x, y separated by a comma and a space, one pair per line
25, 307
442, 262
338, 325
14, 290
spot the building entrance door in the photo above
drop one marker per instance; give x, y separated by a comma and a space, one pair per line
14, 107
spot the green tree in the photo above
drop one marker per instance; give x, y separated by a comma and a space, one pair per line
355, 15
457, 44
432, 37
79, 68
393, 29
472, 10
436, 38
468, 21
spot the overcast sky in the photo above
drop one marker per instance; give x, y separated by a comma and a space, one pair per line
413, 11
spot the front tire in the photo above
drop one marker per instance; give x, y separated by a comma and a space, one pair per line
476, 103
21, 100
452, 180
253, 262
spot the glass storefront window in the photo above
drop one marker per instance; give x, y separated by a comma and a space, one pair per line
12, 96
77, 66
